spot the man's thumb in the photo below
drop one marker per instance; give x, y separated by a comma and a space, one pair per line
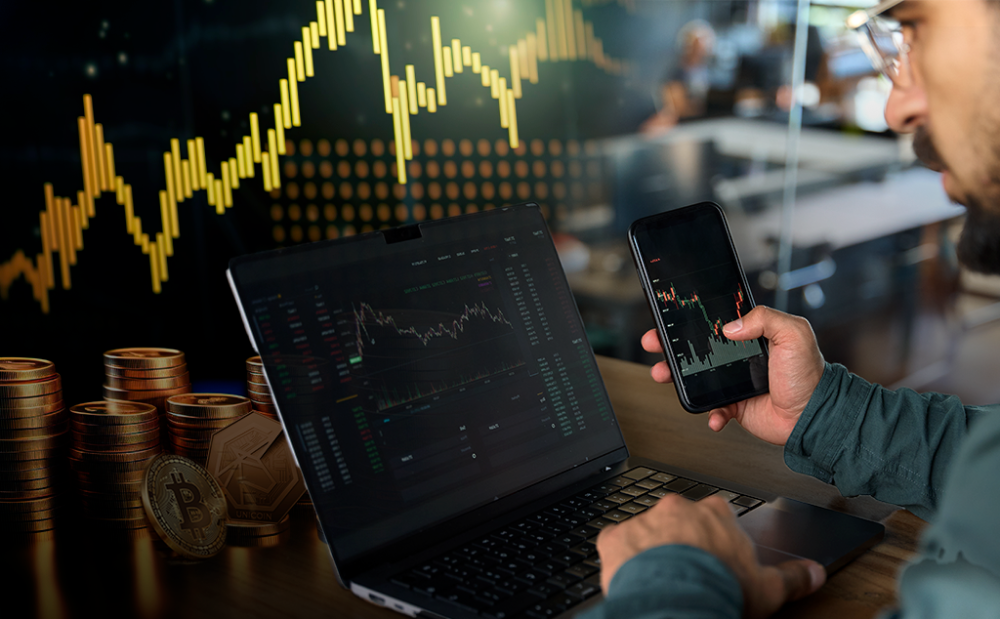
801, 578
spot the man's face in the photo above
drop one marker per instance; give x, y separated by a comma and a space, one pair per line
952, 104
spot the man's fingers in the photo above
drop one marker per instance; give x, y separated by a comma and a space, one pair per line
651, 342
718, 418
766, 322
661, 372
785, 582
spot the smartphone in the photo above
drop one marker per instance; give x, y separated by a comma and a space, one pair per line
692, 278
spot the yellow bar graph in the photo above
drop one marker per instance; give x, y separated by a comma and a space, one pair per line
307, 52
570, 30
581, 36
144, 242
265, 171
293, 92
88, 114
154, 267
50, 208
300, 68
165, 221
129, 210
341, 26
119, 190
192, 151
102, 174
466, 56
227, 188
137, 230
279, 127
487, 75
248, 155
210, 186
591, 43
186, 178
234, 173
168, 172
286, 112
45, 228
495, 84
220, 205
86, 162
81, 199
272, 149
384, 46
357, 7
421, 94
202, 163
512, 119
348, 16
561, 35
541, 39
438, 61
159, 250
66, 242
411, 85
321, 18
456, 56
241, 161
373, 17
515, 71
175, 156
502, 92
331, 24
314, 35
477, 62
432, 105
404, 112
532, 44
446, 58
397, 125
77, 227
522, 56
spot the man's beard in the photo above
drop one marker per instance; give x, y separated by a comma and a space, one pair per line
979, 245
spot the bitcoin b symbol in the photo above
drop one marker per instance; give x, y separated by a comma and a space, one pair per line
194, 515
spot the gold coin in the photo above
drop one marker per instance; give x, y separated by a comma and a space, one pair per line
8, 457
111, 468
41, 473
145, 373
132, 456
85, 429
28, 494
256, 379
246, 528
35, 432
254, 464
26, 464
20, 369
27, 412
31, 389
113, 413
191, 423
191, 435
117, 439
208, 405
41, 443
33, 505
126, 500
30, 526
142, 395
39, 421
104, 478
255, 364
259, 390
31, 484
191, 444
29, 516
185, 506
143, 358
117, 449
147, 384
8, 407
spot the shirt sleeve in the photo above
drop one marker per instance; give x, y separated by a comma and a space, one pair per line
671, 582
893, 445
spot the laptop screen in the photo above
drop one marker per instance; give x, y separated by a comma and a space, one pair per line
424, 374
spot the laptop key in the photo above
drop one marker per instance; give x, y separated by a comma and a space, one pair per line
616, 516
633, 491
632, 508
600, 523
618, 498
550, 567
602, 506
680, 484
621, 482
606, 488
581, 570
659, 493
663, 477
562, 580
567, 540
511, 606
699, 492
728, 495
648, 484
511, 586
594, 561
460, 599
585, 549
543, 590
748, 502
639, 473
532, 577
739, 510
584, 514
646, 500
591, 496
583, 590
586, 532
566, 558
535, 555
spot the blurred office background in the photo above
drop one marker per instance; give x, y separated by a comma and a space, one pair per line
679, 101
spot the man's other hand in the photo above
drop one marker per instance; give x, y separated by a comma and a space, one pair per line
795, 366
710, 526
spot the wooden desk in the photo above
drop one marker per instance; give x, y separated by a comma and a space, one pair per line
83, 572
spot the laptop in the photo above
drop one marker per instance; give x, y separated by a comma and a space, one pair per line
459, 447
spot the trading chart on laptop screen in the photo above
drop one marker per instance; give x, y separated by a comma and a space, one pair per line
438, 376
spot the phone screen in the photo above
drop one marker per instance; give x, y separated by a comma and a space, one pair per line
695, 286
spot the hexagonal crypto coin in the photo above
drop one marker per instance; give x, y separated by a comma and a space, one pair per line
252, 461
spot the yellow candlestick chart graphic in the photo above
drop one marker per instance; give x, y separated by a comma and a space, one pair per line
561, 35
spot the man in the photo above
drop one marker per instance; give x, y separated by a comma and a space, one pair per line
927, 453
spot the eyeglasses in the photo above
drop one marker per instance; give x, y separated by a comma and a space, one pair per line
882, 41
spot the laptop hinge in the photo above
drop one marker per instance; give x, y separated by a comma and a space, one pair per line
380, 599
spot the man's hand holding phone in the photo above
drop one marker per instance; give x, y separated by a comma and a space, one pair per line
795, 367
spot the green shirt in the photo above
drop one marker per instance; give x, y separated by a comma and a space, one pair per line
909, 449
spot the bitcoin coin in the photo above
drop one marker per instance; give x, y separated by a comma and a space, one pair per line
256, 379
254, 464
39, 421
37, 432
30, 389
255, 365
149, 383
209, 405
113, 413
143, 358
145, 373
186, 506
19, 369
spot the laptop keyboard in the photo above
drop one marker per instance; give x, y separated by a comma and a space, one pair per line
547, 563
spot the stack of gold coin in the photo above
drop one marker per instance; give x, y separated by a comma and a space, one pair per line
34, 437
193, 418
113, 442
260, 393
149, 375
258, 534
